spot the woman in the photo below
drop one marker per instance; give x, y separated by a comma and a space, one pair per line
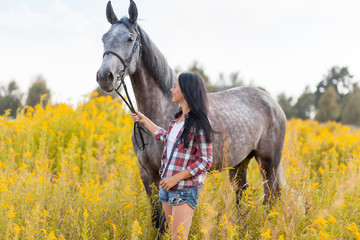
187, 152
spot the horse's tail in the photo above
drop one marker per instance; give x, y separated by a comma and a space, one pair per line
280, 176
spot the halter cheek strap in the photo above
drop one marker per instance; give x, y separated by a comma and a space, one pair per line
126, 63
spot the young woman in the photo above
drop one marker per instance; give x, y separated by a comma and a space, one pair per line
187, 152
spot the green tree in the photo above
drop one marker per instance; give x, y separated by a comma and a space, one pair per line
305, 104
37, 89
198, 68
223, 83
339, 78
286, 104
10, 98
351, 109
328, 106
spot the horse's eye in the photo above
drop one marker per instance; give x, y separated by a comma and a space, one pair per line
131, 38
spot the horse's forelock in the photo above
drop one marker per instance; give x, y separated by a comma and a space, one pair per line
128, 23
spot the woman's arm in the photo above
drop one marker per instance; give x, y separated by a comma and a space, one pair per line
203, 158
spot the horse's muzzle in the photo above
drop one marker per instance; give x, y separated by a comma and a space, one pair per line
105, 80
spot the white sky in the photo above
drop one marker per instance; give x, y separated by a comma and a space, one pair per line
280, 45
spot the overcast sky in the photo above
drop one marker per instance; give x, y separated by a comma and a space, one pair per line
280, 45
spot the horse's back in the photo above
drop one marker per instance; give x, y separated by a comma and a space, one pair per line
242, 116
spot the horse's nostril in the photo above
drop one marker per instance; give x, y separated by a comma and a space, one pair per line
97, 77
110, 77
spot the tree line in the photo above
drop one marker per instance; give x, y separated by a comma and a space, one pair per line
11, 98
336, 98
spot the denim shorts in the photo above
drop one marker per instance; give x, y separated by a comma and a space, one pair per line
176, 197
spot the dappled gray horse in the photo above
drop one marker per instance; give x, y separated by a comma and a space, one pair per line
249, 123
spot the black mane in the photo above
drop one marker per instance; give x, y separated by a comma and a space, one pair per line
154, 60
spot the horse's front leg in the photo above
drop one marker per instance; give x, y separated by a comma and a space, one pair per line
151, 183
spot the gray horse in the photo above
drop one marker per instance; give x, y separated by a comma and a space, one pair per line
249, 123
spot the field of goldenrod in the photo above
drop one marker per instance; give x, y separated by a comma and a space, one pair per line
72, 174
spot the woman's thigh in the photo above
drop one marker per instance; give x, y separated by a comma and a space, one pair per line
168, 211
182, 215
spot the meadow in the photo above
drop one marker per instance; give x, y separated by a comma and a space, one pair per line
71, 174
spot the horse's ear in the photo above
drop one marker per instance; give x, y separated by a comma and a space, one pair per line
111, 17
133, 13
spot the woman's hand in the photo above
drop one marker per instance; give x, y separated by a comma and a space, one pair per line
138, 117
169, 182
141, 118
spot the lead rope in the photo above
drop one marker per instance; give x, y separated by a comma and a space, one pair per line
132, 109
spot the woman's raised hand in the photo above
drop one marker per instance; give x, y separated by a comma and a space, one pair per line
138, 117
141, 118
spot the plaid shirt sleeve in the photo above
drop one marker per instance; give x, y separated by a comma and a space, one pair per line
160, 134
203, 158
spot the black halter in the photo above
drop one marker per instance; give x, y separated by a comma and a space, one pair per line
120, 77
127, 62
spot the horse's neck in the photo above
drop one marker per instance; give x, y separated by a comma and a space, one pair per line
149, 98
152, 82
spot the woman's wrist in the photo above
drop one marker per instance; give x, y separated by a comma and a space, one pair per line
183, 175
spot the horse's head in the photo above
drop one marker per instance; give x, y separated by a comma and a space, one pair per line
121, 48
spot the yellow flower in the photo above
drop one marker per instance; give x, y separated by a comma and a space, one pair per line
11, 213
45, 213
324, 235
16, 229
331, 219
267, 234
223, 221
273, 214
320, 221
85, 214
204, 230
51, 236
315, 185
136, 230
354, 229
181, 232
320, 170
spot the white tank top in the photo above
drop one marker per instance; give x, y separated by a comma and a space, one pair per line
172, 137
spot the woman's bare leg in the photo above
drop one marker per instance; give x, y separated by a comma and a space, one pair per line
182, 215
168, 211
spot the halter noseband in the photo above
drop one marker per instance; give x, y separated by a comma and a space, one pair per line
126, 64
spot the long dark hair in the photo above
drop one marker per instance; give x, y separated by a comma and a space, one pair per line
193, 89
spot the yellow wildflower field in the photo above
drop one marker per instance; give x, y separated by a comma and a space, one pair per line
71, 174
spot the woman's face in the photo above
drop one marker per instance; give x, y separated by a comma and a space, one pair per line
178, 97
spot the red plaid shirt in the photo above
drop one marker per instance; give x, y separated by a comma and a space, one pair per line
197, 157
